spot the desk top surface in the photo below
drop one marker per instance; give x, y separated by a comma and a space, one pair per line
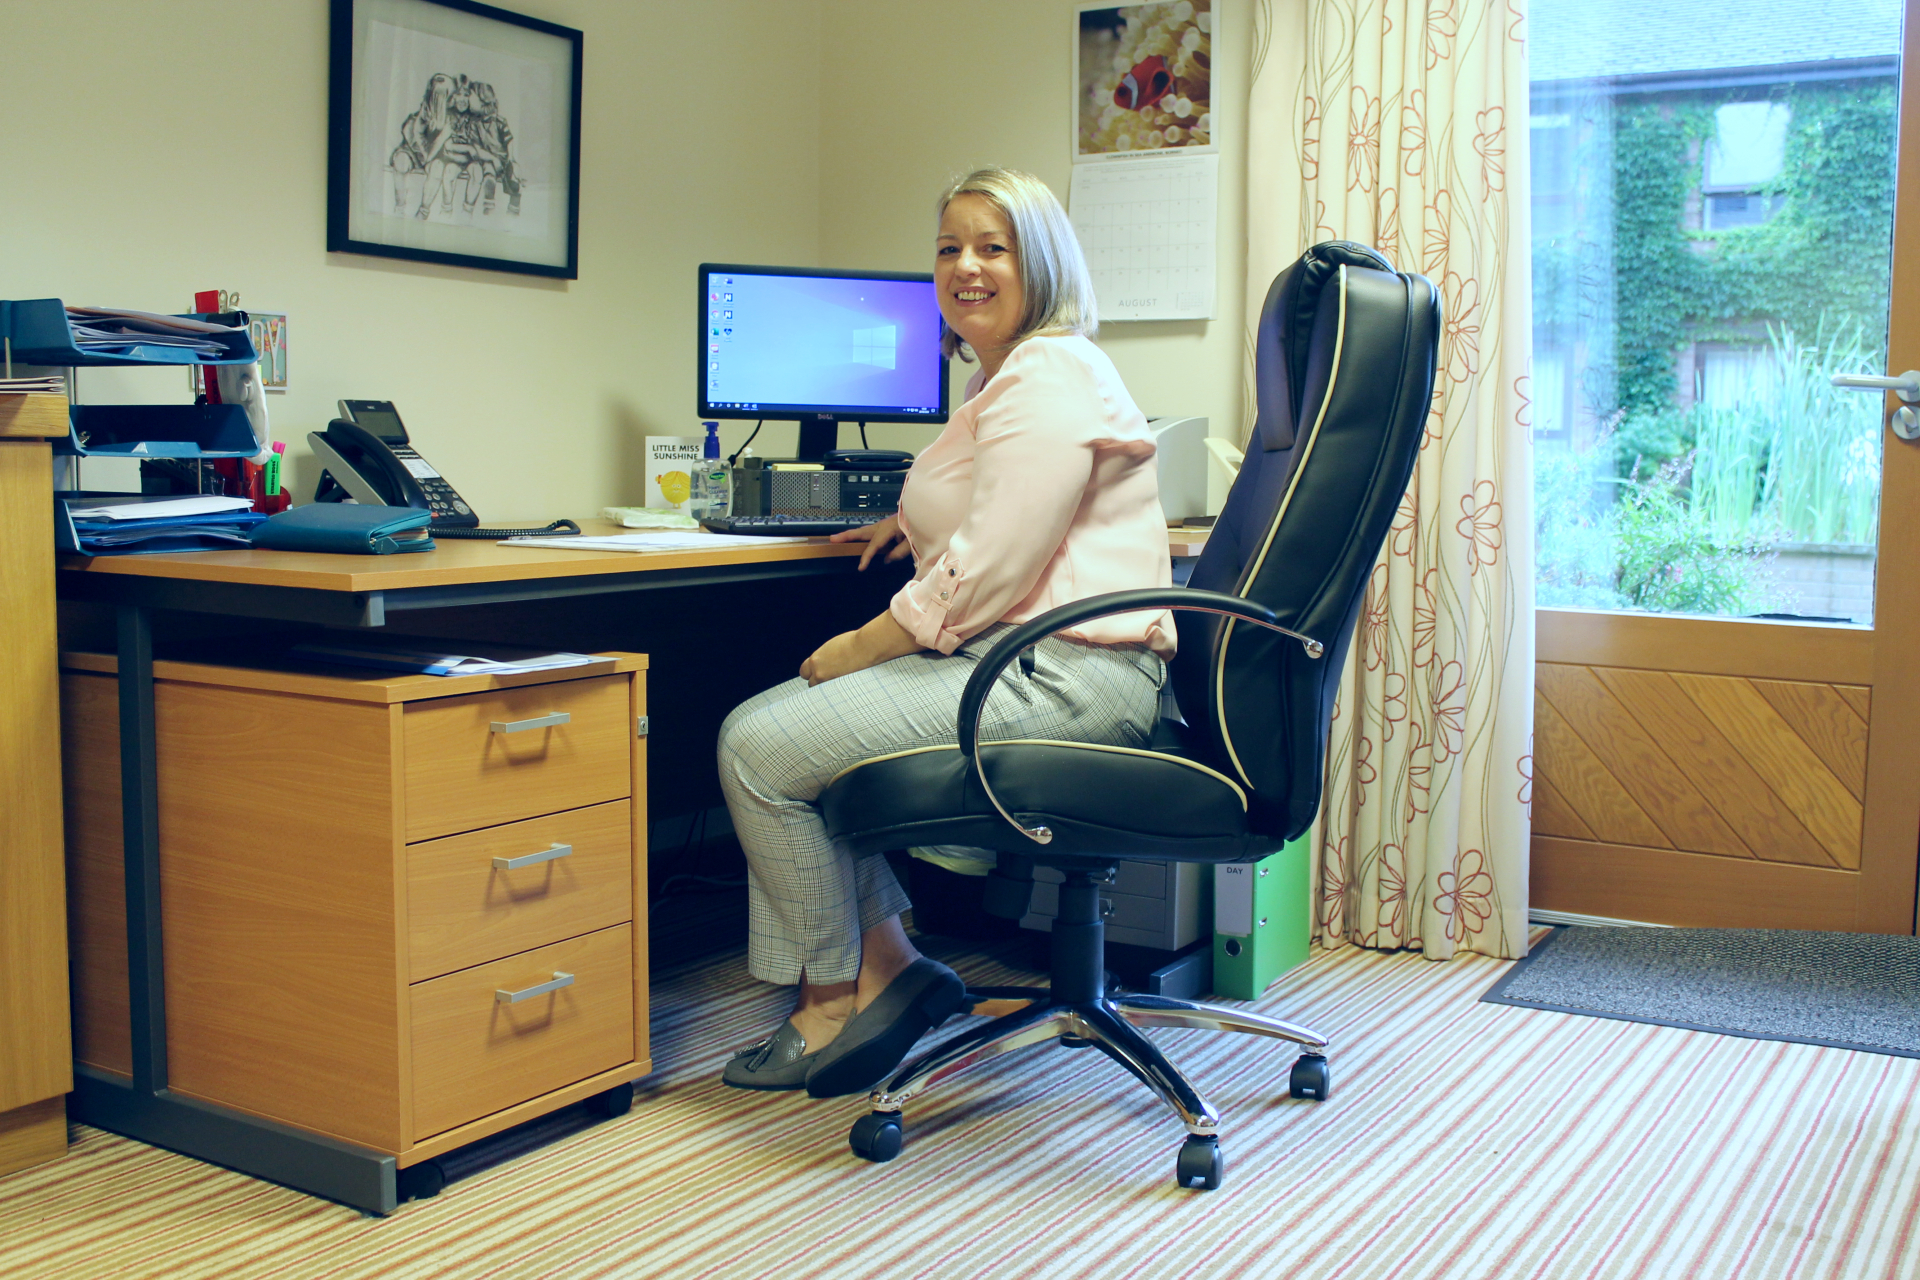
452, 562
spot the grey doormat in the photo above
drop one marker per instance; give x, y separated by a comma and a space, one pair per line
1845, 990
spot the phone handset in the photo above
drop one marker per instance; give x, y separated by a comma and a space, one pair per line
366, 456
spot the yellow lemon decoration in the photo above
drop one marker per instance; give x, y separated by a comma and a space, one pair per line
675, 486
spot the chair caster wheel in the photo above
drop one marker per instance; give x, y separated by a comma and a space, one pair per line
615, 1102
1311, 1078
1201, 1164
877, 1137
421, 1181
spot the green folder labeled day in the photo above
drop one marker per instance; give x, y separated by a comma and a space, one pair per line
1262, 923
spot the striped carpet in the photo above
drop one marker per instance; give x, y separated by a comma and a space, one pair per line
1463, 1140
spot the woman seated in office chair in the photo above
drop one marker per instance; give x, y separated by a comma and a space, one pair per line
1040, 491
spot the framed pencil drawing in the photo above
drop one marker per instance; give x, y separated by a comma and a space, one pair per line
454, 136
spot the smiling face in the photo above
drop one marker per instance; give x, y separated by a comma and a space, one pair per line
976, 273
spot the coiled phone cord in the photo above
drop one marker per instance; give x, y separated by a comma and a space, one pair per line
558, 529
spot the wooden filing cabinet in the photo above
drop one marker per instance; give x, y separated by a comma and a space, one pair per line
35, 1063
400, 911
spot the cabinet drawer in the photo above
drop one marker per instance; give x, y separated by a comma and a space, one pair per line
464, 910
464, 774
474, 1053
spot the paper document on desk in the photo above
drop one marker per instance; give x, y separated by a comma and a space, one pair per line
156, 508
436, 658
671, 541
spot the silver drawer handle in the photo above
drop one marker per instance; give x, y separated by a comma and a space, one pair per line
515, 997
547, 854
538, 722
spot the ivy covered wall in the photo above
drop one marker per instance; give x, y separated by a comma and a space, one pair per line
1671, 507
1822, 256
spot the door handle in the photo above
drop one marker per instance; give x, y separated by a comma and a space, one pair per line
538, 722
515, 997
1906, 421
528, 859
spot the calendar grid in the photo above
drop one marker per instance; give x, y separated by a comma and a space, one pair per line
1147, 227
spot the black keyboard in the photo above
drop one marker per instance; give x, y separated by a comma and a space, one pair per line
793, 526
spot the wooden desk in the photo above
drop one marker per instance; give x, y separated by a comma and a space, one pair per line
340, 591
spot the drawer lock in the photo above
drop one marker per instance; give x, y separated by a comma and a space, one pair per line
538, 722
528, 859
515, 997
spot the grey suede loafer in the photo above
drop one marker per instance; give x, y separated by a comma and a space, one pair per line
781, 1061
872, 1044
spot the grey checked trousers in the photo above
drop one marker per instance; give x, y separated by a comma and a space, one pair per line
809, 898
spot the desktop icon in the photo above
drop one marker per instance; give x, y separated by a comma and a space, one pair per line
729, 315
729, 298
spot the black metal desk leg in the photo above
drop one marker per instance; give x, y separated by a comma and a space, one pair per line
140, 832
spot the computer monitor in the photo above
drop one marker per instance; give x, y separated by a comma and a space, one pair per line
820, 347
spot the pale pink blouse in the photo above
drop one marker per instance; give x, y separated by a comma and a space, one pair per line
1041, 491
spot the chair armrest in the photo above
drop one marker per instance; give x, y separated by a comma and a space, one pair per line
973, 699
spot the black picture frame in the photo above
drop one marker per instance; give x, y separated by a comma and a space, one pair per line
480, 166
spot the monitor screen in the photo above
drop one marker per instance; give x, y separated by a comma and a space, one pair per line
859, 346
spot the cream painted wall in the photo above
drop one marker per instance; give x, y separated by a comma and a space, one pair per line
156, 147
947, 87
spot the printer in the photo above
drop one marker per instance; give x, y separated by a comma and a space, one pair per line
1182, 459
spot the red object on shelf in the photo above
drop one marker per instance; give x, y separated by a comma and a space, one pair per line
207, 301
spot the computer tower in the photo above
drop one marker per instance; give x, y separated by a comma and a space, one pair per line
771, 487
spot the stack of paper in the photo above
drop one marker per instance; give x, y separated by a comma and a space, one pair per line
124, 525
97, 327
437, 657
33, 386
154, 508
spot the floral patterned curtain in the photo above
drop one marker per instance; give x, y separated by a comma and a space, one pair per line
1403, 124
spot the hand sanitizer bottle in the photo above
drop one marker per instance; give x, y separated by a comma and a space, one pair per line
712, 497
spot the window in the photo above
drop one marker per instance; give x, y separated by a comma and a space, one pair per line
1748, 150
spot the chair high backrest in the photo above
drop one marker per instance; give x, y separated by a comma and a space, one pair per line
1344, 370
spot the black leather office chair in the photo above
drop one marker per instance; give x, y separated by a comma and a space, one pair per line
1345, 368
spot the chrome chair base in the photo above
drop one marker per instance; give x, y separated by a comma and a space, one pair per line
1111, 1024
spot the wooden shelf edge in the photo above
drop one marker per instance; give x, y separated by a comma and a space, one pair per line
351, 684
33, 416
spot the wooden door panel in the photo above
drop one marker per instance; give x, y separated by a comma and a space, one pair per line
1783, 760
1823, 718
1697, 748
1627, 750
1588, 787
1759, 770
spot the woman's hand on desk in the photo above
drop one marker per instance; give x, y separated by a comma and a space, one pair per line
884, 535
850, 651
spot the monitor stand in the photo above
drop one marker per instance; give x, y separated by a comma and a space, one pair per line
817, 439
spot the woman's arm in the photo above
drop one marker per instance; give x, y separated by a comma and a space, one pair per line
850, 651
1032, 462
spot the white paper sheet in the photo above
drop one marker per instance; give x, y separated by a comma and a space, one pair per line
192, 505
652, 542
1147, 226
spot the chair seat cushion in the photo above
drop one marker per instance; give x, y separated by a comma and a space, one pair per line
1099, 801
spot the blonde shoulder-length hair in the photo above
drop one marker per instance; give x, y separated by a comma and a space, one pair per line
1053, 271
